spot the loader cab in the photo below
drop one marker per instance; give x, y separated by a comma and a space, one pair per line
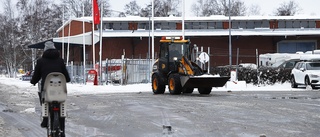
172, 51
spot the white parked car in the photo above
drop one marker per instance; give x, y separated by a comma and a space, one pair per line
306, 73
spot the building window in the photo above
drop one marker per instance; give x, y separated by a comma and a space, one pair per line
281, 24
296, 24
108, 26
188, 25
295, 46
312, 24
258, 24
143, 25
165, 26
195, 25
250, 25
219, 25
117, 26
235, 24
157, 25
289, 24
265, 24
172, 25
304, 24
243, 24
211, 25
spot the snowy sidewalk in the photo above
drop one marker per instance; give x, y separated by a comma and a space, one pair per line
75, 89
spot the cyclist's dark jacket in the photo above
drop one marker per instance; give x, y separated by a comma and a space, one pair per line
50, 62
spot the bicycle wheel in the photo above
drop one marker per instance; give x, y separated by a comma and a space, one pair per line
55, 130
49, 126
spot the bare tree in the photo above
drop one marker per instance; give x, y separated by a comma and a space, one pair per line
146, 12
218, 7
10, 40
162, 8
132, 8
254, 10
205, 8
38, 21
287, 9
74, 7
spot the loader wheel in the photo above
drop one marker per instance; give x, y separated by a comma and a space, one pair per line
174, 84
187, 90
205, 90
158, 85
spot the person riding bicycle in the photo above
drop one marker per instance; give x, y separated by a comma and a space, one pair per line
49, 62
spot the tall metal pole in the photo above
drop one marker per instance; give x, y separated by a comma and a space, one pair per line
68, 48
62, 46
84, 47
100, 53
152, 30
149, 51
93, 43
230, 45
183, 17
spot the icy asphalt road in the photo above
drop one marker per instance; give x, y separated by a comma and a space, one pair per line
142, 114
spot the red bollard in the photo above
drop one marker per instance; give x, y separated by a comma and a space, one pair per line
92, 77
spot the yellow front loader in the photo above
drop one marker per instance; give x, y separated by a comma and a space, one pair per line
175, 69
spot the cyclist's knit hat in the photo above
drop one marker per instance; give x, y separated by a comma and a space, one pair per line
49, 45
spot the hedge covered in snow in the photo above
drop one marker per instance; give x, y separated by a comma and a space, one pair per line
262, 75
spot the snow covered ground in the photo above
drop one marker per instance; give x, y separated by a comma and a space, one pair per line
89, 88
20, 105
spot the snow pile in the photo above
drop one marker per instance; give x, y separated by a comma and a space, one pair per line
29, 110
75, 89
78, 89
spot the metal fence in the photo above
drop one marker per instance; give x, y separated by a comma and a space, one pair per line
138, 70
76, 72
128, 71
114, 71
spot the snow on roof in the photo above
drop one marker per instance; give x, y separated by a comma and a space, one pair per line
188, 19
212, 32
212, 18
206, 32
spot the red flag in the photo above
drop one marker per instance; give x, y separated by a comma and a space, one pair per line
96, 13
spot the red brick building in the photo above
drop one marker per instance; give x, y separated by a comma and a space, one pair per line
263, 34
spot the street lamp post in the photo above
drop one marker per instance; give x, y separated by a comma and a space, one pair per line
230, 46
149, 49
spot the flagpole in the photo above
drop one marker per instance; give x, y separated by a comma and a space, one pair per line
93, 44
152, 31
84, 47
100, 57
62, 46
68, 48
183, 18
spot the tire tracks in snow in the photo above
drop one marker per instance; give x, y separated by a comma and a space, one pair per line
21, 123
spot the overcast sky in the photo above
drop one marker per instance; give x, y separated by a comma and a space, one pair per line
308, 7
267, 7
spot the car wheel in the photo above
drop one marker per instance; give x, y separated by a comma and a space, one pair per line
307, 81
293, 83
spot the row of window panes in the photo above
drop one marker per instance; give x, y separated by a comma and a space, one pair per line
213, 25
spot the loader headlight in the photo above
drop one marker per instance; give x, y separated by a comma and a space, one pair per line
175, 58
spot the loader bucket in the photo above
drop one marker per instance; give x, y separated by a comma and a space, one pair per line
203, 81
